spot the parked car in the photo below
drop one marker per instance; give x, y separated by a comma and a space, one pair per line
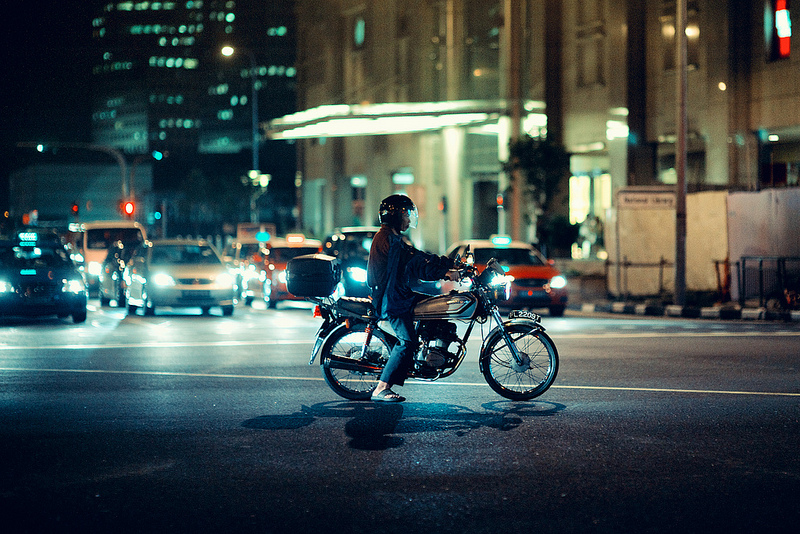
178, 273
245, 260
351, 247
281, 250
38, 277
112, 280
537, 283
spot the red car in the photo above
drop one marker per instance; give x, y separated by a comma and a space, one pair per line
279, 252
537, 283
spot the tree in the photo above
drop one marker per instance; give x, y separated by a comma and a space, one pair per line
544, 166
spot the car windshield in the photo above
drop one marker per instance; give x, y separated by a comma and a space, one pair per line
284, 254
183, 255
34, 257
357, 245
507, 256
249, 249
97, 238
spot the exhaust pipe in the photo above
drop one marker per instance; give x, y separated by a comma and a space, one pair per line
356, 366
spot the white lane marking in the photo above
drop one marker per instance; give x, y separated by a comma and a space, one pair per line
470, 384
158, 345
261, 343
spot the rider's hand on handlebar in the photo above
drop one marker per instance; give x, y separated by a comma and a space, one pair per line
453, 274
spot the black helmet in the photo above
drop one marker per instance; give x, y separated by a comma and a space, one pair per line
392, 209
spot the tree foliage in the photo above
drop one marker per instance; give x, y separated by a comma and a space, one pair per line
543, 163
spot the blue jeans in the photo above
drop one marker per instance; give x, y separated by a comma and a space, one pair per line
402, 356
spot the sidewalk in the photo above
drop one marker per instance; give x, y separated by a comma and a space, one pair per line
588, 295
732, 312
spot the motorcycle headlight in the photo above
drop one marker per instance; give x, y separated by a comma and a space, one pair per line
501, 286
357, 274
558, 282
163, 279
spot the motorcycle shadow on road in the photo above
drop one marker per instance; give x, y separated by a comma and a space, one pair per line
381, 426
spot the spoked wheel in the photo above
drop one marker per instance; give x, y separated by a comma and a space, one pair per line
344, 369
524, 379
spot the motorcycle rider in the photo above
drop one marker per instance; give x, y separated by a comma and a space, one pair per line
394, 263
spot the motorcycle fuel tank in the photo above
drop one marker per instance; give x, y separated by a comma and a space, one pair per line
455, 306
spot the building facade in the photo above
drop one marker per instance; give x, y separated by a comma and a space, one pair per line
423, 96
163, 85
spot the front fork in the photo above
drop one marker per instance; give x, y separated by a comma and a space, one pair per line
510, 342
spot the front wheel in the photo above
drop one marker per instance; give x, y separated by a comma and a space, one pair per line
525, 379
344, 369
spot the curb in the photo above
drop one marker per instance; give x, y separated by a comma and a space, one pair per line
689, 312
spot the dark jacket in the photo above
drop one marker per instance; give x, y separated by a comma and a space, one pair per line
393, 265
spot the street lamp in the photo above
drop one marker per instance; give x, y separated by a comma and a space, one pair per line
229, 51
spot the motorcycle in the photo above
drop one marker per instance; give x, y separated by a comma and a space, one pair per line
518, 359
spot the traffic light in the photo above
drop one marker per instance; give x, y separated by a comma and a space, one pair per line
128, 208
75, 209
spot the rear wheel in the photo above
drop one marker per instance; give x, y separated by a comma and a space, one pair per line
525, 379
341, 355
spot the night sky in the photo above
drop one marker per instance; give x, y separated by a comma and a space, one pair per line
46, 93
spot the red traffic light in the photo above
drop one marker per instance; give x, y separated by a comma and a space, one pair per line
128, 207
75, 208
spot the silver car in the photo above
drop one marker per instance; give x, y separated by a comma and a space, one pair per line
178, 273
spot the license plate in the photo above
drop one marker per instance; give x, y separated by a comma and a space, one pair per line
524, 314
199, 294
529, 294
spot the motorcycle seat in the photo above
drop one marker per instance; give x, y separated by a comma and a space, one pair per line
356, 305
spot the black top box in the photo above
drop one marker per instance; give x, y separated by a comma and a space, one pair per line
313, 275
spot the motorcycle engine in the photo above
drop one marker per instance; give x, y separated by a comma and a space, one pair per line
436, 337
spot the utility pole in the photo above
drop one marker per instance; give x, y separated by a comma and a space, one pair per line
513, 38
680, 153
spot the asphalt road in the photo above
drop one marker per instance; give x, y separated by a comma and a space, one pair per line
189, 423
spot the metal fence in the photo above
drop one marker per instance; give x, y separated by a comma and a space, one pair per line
761, 277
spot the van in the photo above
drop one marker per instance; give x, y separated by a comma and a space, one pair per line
95, 238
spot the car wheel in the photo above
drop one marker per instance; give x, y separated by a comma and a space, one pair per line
132, 309
79, 316
227, 311
121, 298
104, 301
556, 311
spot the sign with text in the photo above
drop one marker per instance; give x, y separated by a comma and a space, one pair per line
646, 200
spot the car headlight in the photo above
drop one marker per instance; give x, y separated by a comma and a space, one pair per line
73, 286
282, 277
5, 287
95, 268
225, 279
250, 273
558, 282
357, 274
163, 279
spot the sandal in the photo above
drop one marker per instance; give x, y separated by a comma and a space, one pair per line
387, 395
